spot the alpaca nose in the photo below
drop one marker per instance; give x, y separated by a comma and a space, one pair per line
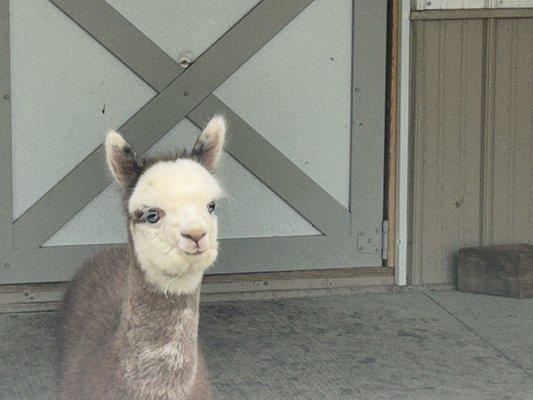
194, 235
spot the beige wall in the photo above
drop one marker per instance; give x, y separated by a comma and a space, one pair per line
472, 127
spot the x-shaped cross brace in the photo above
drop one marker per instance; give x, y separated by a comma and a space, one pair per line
183, 93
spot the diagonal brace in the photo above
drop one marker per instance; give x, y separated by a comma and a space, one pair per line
162, 112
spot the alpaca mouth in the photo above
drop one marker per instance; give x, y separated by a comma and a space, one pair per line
196, 253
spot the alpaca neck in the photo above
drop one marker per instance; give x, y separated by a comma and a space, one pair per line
159, 338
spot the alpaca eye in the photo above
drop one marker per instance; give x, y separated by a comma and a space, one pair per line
152, 216
211, 207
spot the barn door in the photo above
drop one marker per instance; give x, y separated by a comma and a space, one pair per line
300, 82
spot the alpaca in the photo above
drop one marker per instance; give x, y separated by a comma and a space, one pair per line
131, 314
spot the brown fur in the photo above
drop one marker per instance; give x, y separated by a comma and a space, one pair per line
115, 325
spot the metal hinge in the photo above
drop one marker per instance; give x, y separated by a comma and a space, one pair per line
374, 242
384, 240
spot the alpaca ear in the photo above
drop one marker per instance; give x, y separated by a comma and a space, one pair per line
122, 160
208, 147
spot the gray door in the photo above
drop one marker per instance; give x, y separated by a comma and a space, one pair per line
300, 82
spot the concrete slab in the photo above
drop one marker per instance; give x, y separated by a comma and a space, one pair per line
506, 323
28, 355
376, 346
353, 347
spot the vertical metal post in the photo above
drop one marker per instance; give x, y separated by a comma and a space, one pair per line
403, 147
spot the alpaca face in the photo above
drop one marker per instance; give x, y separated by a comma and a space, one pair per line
173, 225
171, 207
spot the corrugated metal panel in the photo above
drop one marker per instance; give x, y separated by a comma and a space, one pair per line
511, 175
472, 107
448, 79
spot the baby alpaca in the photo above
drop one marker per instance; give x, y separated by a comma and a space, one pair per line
131, 314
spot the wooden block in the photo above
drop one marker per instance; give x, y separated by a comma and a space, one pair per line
505, 270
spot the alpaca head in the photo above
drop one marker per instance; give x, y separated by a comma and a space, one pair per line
170, 202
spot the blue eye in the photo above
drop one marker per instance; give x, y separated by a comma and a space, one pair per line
211, 207
152, 216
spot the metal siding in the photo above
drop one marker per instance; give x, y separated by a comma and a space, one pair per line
458, 159
446, 180
512, 179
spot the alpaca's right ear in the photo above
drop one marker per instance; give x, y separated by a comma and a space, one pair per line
208, 146
122, 160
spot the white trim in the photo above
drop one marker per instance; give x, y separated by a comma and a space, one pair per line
403, 146
469, 4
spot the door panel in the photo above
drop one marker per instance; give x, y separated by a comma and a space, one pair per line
184, 27
296, 92
243, 213
61, 80
304, 162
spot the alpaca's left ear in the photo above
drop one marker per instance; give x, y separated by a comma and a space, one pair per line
208, 147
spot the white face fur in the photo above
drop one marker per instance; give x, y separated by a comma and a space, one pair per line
172, 221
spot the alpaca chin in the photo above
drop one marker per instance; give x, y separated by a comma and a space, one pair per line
169, 269
178, 275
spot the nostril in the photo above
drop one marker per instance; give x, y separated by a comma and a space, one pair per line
195, 237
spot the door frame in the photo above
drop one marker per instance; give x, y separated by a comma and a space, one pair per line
402, 148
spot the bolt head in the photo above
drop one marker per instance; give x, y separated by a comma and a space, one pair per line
185, 61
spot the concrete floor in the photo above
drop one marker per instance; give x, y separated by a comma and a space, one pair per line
441, 345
